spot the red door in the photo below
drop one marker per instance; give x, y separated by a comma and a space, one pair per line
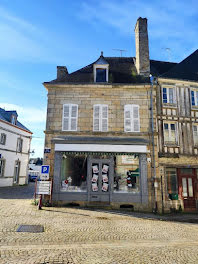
187, 188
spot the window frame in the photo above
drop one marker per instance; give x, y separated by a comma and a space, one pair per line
194, 90
18, 144
3, 136
100, 117
100, 66
3, 161
176, 143
168, 95
131, 106
169, 169
195, 125
70, 117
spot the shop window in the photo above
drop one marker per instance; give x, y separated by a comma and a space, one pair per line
170, 133
2, 166
171, 178
74, 173
127, 176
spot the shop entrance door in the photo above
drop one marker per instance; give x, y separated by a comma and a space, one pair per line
186, 181
100, 180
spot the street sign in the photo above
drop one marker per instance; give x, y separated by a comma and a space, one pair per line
47, 150
45, 172
44, 187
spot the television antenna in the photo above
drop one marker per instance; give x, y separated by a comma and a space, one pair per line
121, 51
168, 50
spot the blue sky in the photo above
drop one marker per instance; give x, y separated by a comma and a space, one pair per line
36, 36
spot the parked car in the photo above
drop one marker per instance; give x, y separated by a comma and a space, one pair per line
33, 175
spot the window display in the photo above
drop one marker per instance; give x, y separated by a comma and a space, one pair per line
100, 178
74, 173
127, 176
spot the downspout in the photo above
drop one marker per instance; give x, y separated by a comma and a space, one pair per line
155, 183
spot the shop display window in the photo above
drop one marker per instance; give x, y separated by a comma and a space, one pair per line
171, 177
74, 173
127, 176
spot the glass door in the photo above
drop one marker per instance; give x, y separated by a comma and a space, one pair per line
100, 181
187, 186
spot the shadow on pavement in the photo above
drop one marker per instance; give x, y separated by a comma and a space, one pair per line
17, 192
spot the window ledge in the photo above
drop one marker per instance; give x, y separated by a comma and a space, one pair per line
172, 145
167, 105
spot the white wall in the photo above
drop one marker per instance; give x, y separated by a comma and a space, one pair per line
8, 152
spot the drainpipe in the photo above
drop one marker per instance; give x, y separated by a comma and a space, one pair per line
155, 183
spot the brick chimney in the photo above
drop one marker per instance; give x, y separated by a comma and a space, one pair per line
142, 47
61, 72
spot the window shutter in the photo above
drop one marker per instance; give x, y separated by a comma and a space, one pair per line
74, 117
127, 118
104, 119
171, 97
136, 118
66, 117
96, 118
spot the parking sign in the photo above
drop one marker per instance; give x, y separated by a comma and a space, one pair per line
45, 172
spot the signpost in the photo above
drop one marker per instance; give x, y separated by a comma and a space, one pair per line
45, 172
44, 186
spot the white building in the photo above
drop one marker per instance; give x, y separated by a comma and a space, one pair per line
15, 140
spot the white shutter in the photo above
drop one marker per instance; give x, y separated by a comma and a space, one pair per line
136, 119
74, 117
104, 119
96, 118
127, 118
65, 124
70, 117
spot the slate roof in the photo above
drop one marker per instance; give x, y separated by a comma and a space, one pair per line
123, 70
6, 116
186, 69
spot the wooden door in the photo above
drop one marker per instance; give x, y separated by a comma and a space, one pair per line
187, 188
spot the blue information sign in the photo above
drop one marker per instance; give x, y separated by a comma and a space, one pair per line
45, 169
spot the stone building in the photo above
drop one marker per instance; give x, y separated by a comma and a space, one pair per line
15, 140
99, 130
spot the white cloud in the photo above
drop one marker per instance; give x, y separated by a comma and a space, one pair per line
27, 115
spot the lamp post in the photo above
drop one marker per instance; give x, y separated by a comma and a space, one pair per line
155, 183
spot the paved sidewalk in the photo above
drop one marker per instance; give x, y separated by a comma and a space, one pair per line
80, 236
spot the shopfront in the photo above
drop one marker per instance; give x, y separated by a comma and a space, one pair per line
100, 173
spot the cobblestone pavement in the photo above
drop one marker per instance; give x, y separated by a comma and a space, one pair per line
84, 236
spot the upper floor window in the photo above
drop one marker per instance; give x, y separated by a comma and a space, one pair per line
100, 118
2, 139
194, 97
131, 118
195, 134
13, 119
19, 144
170, 133
2, 166
101, 70
70, 117
169, 96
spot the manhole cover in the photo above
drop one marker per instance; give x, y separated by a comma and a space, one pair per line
31, 228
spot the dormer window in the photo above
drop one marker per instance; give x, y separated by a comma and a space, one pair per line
13, 119
101, 70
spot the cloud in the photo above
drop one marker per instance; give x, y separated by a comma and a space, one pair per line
27, 115
170, 23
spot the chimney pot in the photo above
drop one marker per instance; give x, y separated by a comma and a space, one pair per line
61, 72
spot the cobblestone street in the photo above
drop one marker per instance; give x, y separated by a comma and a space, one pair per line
85, 236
